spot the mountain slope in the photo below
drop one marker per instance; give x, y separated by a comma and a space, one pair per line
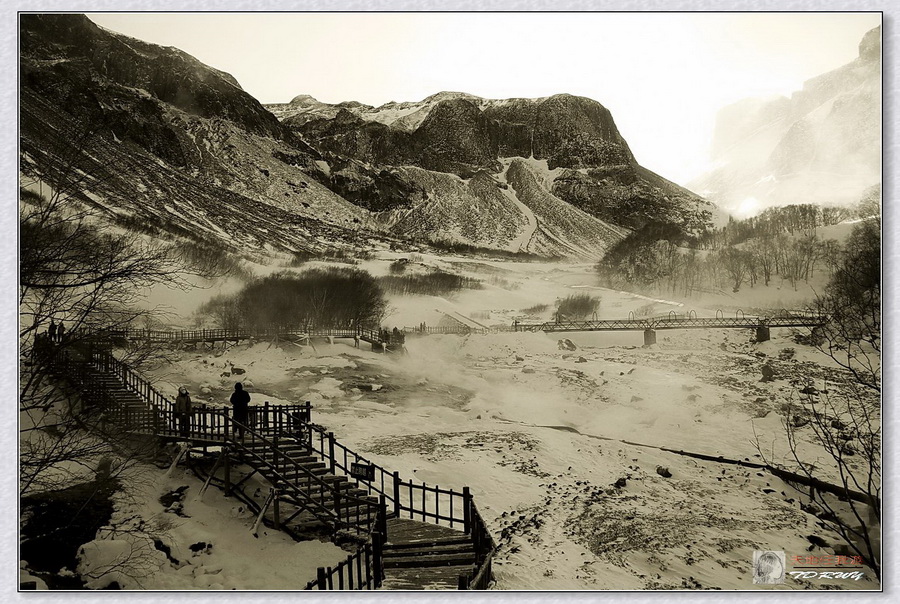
163, 143
465, 136
159, 137
822, 145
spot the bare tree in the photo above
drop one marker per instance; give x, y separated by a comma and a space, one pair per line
844, 420
847, 428
72, 271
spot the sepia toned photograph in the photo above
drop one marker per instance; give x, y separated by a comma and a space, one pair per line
512, 301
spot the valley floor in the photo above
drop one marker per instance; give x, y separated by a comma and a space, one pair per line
539, 435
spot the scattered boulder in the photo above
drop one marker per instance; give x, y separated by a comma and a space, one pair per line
566, 344
664, 472
810, 390
620, 483
817, 541
527, 369
581, 360
238, 371
518, 358
768, 373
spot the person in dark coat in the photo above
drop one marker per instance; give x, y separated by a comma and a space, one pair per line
60, 332
183, 411
52, 331
240, 400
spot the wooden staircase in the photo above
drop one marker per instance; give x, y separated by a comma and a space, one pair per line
311, 486
420, 555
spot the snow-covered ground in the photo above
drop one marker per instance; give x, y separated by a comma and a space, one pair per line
539, 433
188, 542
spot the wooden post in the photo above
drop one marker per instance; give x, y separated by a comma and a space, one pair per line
382, 518
331, 450
377, 569
266, 414
467, 511
320, 578
397, 493
462, 583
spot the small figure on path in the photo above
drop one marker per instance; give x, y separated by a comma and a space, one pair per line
60, 332
183, 411
240, 400
52, 330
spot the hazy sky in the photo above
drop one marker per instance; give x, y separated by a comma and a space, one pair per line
663, 76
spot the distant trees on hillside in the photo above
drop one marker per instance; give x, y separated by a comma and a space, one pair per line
320, 297
779, 243
434, 283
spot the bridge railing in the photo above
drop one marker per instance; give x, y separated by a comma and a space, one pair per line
418, 501
361, 570
342, 510
484, 552
339, 458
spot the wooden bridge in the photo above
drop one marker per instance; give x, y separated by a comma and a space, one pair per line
410, 535
381, 340
384, 340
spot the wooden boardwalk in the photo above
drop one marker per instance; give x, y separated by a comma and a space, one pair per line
420, 555
312, 485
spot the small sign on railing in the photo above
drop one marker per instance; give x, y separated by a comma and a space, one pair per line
362, 471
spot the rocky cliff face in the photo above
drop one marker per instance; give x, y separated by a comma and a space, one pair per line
822, 145
466, 136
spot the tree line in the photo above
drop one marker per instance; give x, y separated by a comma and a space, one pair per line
781, 243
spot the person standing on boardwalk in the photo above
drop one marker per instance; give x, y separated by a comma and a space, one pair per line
60, 332
183, 411
240, 400
52, 331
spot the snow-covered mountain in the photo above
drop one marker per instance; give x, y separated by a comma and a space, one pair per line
162, 142
822, 145
462, 147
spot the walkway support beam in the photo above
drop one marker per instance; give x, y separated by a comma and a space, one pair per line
649, 337
762, 333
